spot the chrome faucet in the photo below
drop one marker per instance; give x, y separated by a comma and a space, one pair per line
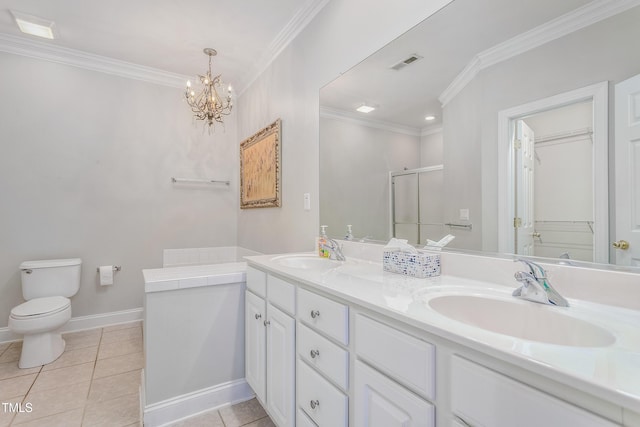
536, 287
335, 250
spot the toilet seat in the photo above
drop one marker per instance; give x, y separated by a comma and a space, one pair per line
39, 307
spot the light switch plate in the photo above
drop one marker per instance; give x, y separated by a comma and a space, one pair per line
307, 201
464, 214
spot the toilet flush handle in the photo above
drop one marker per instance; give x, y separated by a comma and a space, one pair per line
28, 271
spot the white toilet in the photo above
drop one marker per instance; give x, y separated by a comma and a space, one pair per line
47, 286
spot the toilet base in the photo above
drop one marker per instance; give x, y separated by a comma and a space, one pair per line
40, 349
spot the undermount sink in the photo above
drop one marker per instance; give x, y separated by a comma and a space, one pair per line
306, 261
522, 319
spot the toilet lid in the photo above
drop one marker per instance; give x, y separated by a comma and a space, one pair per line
38, 306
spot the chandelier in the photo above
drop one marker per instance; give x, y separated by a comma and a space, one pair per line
209, 105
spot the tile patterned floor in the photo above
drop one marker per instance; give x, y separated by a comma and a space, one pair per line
95, 383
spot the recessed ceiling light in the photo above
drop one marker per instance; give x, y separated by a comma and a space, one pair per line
429, 118
34, 25
364, 108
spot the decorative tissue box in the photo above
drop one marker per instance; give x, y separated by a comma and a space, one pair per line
421, 265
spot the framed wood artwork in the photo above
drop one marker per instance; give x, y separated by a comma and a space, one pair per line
260, 158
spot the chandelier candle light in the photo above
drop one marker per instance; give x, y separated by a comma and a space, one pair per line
208, 104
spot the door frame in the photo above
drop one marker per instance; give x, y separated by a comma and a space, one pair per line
599, 95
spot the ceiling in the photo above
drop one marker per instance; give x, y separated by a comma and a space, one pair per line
448, 41
169, 35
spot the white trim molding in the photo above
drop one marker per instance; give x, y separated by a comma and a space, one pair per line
23, 46
190, 404
81, 323
599, 94
290, 31
346, 116
568, 23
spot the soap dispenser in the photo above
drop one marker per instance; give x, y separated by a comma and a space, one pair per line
349, 235
323, 251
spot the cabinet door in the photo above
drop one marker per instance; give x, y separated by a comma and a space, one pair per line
380, 402
255, 344
281, 332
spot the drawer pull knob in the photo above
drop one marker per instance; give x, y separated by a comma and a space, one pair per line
267, 322
315, 313
258, 315
314, 353
314, 404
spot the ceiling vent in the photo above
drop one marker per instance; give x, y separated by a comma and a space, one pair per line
407, 61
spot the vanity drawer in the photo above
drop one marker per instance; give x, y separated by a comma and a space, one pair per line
282, 294
325, 356
322, 402
472, 403
257, 281
405, 358
326, 316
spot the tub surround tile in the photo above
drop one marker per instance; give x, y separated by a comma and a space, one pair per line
242, 413
118, 365
63, 377
17, 386
73, 357
65, 419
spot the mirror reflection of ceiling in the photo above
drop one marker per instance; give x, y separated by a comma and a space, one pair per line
408, 95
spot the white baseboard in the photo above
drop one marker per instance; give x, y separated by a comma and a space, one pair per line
86, 322
187, 405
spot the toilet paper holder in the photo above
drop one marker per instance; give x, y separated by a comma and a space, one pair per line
115, 268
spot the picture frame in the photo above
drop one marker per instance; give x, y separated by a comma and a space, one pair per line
260, 168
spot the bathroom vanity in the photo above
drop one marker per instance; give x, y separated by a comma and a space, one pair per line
333, 343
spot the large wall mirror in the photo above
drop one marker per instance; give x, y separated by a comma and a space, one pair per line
514, 126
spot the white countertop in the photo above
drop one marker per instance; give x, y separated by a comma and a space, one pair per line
611, 373
172, 278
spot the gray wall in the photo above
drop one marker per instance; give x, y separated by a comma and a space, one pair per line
470, 120
363, 156
85, 172
338, 38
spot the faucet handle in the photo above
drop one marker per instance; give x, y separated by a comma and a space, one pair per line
536, 270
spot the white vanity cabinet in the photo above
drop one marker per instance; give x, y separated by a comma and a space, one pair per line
323, 360
270, 344
398, 367
484, 398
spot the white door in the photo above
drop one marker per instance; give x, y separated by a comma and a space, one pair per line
524, 168
281, 342
627, 167
255, 344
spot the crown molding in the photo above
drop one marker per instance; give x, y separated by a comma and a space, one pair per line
23, 46
290, 31
568, 23
346, 116
430, 130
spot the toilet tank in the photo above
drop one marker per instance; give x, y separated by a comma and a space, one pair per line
48, 278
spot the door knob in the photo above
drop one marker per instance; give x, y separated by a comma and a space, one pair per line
621, 244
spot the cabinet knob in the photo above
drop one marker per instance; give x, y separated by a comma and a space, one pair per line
315, 313
267, 323
314, 404
314, 353
258, 315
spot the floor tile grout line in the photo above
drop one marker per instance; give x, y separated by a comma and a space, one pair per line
93, 372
